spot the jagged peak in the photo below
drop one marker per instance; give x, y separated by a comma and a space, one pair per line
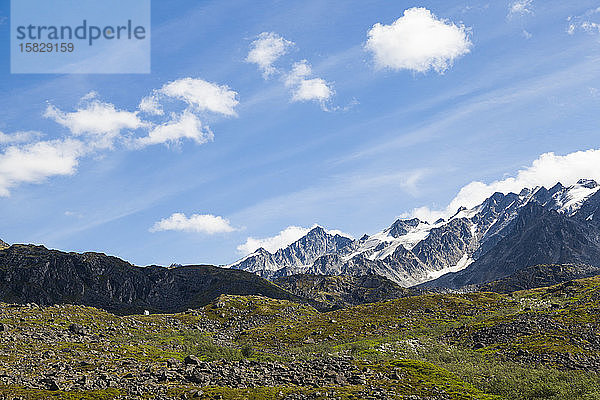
401, 227
260, 250
317, 228
460, 209
587, 183
410, 222
558, 187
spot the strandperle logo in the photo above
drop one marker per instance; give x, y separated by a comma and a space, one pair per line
84, 31
83, 36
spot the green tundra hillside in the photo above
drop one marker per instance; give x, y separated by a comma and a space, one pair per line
536, 344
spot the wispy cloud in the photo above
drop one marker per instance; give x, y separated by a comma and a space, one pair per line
186, 125
585, 22
333, 192
518, 92
519, 8
268, 48
18, 137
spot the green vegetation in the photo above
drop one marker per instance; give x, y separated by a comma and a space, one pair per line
537, 344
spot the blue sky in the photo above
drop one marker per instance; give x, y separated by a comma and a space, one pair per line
372, 135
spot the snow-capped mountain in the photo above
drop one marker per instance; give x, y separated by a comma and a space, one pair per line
295, 258
411, 252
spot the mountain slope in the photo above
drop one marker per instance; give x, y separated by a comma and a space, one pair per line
539, 236
34, 274
489, 241
538, 276
342, 291
3, 245
296, 257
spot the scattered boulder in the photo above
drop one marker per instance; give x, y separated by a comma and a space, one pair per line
77, 329
192, 360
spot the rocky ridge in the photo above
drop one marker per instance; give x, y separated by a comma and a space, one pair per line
472, 242
34, 274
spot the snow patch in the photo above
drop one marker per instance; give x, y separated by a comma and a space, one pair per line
463, 263
571, 200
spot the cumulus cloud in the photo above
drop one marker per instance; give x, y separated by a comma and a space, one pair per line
203, 95
305, 88
209, 224
546, 171
418, 41
266, 50
35, 162
95, 126
183, 126
520, 7
18, 137
151, 105
283, 239
101, 121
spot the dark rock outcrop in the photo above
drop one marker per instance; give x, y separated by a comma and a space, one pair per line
34, 274
342, 291
538, 276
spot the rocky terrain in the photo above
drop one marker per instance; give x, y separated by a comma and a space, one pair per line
538, 276
34, 274
540, 343
340, 291
497, 238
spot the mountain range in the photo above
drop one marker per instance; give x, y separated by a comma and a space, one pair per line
509, 242
493, 240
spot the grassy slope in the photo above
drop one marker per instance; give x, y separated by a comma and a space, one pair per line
469, 346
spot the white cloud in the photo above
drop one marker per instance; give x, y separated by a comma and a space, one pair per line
267, 49
590, 27
96, 126
18, 137
203, 95
305, 88
100, 121
418, 41
283, 239
209, 224
183, 126
520, 7
583, 22
546, 171
151, 105
33, 163
73, 214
